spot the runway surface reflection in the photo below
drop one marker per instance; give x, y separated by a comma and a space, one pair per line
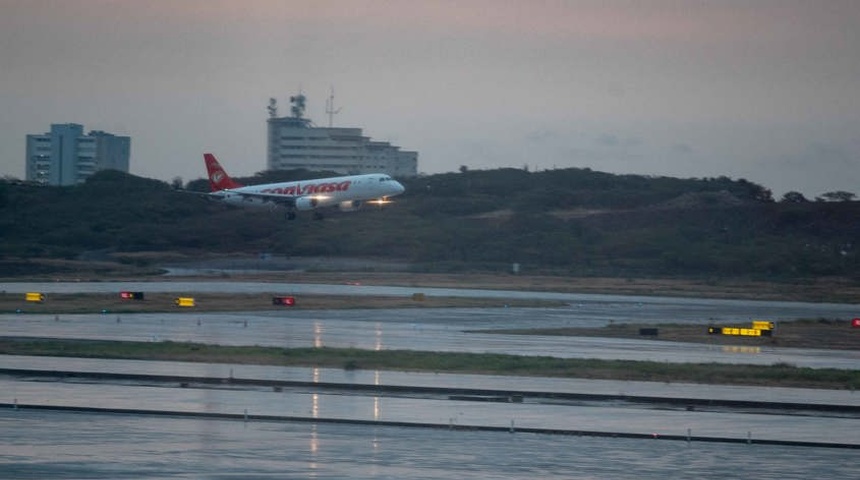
60, 445
56, 444
442, 330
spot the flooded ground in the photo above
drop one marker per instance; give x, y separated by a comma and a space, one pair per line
61, 445
548, 405
439, 330
180, 431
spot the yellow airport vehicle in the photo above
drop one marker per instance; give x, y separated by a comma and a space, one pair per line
762, 324
184, 302
35, 297
756, 331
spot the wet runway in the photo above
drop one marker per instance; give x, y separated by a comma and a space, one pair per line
299, 433
326, 394
288, 433
62, 445
442, 330
420, 380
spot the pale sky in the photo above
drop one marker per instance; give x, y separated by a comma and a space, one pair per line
766, 90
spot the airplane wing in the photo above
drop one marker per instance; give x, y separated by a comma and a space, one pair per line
239, 198
277, 198
196, 193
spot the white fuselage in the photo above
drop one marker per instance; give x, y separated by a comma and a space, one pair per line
311, 194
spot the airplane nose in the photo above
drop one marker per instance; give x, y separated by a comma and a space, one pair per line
400, 188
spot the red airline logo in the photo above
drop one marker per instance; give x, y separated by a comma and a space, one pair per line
308, 189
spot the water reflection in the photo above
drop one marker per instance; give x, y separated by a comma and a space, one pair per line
378, 345
315, 405
376, 399
318, 331
741, 349
144, 447
314, 449
459, 330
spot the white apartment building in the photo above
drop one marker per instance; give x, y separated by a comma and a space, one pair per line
65, 156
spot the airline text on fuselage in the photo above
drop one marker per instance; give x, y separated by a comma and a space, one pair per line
307, 189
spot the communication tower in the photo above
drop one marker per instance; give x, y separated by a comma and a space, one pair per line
329, 108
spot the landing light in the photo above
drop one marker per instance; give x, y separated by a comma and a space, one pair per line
380, 201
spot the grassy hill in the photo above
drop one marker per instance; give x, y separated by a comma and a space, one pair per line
567, 222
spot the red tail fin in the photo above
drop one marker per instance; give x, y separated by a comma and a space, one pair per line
218, 178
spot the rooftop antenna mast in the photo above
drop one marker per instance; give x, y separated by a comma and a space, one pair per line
298, 108
329, 108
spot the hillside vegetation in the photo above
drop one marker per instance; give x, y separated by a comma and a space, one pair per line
568, 222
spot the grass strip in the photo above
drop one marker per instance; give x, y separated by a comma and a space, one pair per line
779, 375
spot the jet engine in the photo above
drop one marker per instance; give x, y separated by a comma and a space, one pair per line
306, 203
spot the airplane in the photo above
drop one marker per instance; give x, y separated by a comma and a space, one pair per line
347, 193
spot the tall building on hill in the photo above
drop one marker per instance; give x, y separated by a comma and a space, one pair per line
65, 156
295, 142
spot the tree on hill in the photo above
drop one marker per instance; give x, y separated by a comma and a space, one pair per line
793, 197
837, 196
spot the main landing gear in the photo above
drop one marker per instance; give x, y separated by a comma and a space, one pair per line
291, 215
